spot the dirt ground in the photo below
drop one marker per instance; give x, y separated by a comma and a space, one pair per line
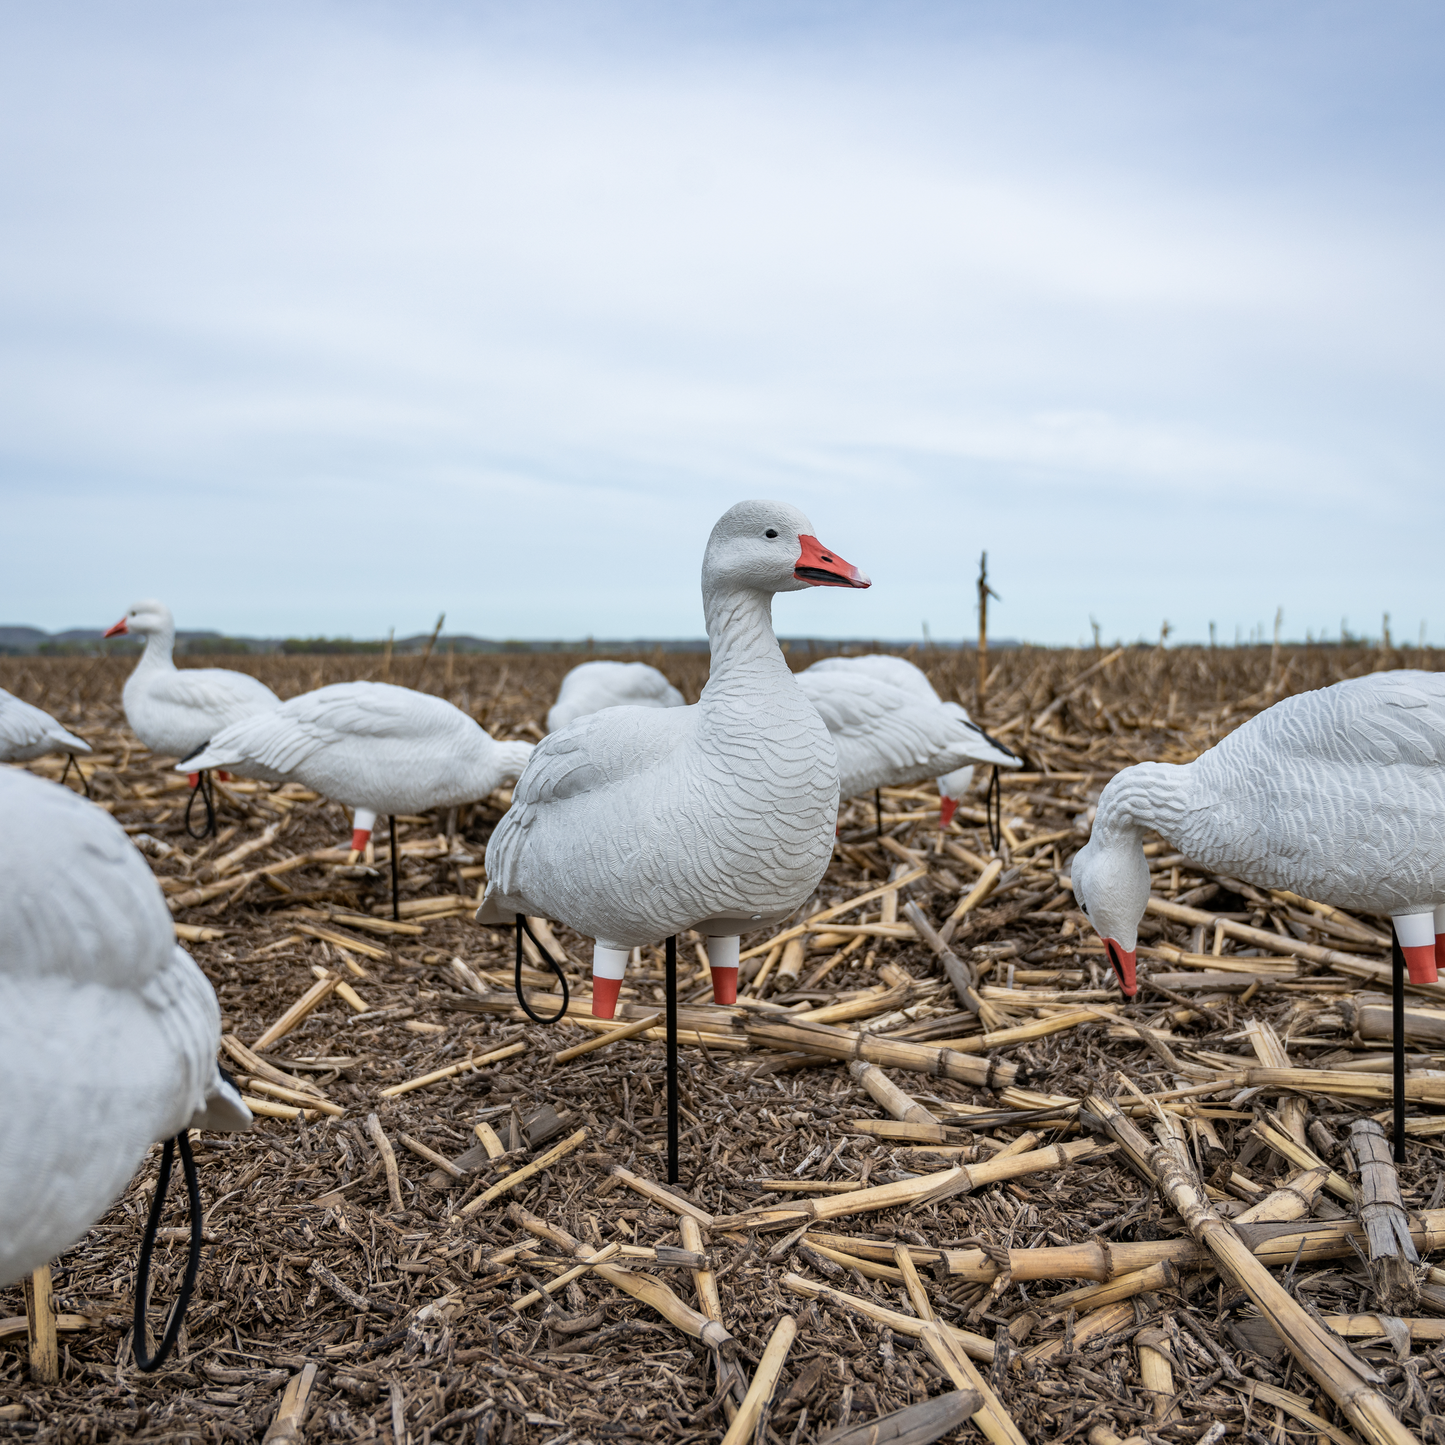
407, 1313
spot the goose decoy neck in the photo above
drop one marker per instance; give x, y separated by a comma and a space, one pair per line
1151, 795
160, 645
740, 633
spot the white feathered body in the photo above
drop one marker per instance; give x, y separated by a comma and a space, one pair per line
1338, 795
370, 745
173, 711
108, 1030
891, 728
593, 686
637, 823
26, 732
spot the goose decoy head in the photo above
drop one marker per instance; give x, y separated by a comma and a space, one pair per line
771, 547
143, 618
1111, 884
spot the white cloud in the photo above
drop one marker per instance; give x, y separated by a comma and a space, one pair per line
499, 315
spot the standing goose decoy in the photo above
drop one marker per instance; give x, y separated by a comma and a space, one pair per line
1337, 795
636, 823
592, 686
174, 711
374, 747
26, 733
891, 729
108, 1030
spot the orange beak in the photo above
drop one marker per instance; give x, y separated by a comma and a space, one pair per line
821, 568
1123, 960
119, 630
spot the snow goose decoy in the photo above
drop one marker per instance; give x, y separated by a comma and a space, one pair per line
26, 733
174, 711
108, 1032
634, 824
376, 748
891, 729
592, 686
1337, 795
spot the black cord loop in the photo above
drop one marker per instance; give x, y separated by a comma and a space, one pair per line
203, 787
556, 968
147, 1244
993, 810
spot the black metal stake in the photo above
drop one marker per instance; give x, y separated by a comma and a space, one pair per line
1397, 1032
878, 810
672, 1059
395, 906
69, 763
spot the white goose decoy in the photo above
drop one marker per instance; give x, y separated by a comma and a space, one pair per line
173, 711
891, 728
26, 732
592, 686
108, 1030
636, 823
1337, 795
377, 748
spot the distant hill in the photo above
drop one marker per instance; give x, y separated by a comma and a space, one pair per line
88, 641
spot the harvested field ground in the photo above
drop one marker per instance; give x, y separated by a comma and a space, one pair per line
396, 1294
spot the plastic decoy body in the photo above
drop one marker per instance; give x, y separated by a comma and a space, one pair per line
1337, 795
26, 732
377, 748
108, 1030
636, 823
891, 728
593, 686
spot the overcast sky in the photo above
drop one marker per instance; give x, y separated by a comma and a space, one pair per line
325, 318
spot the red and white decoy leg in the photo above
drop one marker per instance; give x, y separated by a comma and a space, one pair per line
946, 807
1439, 937
1416, 932
361, 825
722, 958
609, 968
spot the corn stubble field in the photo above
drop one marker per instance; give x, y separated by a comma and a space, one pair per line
372, 1268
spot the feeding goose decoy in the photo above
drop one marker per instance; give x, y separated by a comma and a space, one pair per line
1337, 795
173, 711
374, 747
635, 823
892, 729
108, 1029
592, 686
